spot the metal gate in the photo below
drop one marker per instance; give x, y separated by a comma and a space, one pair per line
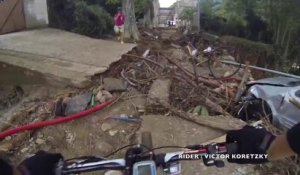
11, 16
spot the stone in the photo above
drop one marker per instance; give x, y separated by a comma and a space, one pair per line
104, 146
24, 150
113, 133
114, 84
141, 108
40, 141
227, 73
106, 127
70, 137
159, 90
8, 138
103, 95
78, 103
242, 170
5, 147
40, 135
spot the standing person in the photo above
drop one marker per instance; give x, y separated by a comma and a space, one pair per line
119, 25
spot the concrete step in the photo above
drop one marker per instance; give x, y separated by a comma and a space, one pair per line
55, 71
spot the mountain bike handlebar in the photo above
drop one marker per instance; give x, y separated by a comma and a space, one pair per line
134, 154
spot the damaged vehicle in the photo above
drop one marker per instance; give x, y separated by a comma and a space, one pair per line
277, 98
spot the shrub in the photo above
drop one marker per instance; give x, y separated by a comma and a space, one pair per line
78, 16
61, 14
92, 20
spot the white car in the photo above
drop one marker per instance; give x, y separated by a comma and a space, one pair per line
277, 98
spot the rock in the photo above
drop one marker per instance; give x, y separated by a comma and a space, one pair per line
160, 91
8, 138
78, 103
70, 137
31, 139
50, 138
40, 135
40, 141
113, 173
113, 133
242, 170
24, 150
141, 108
227, 73
99, 95
114, 84
6, 147
123, 115
104, 146
103, 95
106, 127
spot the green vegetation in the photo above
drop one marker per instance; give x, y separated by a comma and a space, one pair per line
274, 22
84, 17
92, 20
188, 14
94, 17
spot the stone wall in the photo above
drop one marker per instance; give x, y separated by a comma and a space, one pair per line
36, 13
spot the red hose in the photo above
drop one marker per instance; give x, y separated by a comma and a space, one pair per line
53, 121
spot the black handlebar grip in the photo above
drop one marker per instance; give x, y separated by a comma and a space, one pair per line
232, 148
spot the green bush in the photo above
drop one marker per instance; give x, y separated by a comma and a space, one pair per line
78, 16
61, 14
92, 20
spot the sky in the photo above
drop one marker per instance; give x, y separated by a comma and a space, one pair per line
166, 3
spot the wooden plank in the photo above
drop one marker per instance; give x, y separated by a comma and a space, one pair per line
223, 123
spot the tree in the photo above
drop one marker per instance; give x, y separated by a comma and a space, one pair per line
145, 10
187, 15
131, 30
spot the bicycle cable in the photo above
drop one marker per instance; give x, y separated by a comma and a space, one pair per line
112, 153
162, 147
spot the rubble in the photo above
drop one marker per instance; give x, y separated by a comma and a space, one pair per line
106, 127
165, 75
103, 95
70, 137
5, 147
159, 90
40, 141
114, 84
77, 103
103, 145
24, 150
113, 132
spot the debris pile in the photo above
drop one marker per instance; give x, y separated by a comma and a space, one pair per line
174, 76
187, 89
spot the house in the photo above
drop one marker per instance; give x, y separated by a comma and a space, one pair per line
16, 15
165, 15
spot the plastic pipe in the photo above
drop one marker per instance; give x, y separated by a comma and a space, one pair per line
55, 121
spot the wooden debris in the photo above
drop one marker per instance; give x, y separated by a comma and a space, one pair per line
221, 122
242, 85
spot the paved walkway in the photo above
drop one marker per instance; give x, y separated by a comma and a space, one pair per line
60, 55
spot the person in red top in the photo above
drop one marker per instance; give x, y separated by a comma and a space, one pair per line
119, 25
